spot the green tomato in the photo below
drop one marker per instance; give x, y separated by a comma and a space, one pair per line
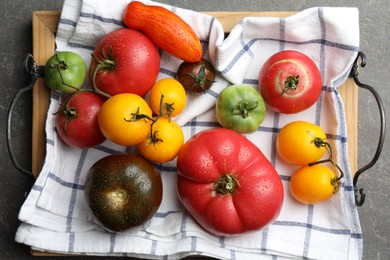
240, 108
65, 72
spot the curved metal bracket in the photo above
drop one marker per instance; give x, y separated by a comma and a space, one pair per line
359, 192
35, 72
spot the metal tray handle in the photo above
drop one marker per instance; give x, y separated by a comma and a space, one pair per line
359, 192
35, 72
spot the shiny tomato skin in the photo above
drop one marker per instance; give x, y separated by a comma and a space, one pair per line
212, 158
164, 141
123, 191
313, 184
65, 72
283, 67
173, 94
116, 116
136, 63
301, 142
81, 131
196, 77
240, 108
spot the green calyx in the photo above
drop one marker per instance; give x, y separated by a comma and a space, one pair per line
227, 183
243, 108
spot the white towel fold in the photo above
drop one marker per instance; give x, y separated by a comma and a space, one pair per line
55, 216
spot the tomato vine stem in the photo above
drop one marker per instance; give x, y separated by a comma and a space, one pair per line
107, 63
60, 66
152, 137
321, 143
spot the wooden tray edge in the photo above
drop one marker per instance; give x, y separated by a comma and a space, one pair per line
44, 24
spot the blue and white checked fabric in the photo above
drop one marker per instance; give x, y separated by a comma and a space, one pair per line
55, 216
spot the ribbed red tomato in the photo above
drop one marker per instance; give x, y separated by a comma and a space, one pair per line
227, 184
124, 61
290, 82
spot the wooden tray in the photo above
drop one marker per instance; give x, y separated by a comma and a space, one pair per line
44, 28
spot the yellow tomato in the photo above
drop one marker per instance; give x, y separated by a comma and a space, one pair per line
313, 184
117, 119
164, 143
174, 97
297, 143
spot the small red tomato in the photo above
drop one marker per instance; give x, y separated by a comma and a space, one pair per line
290, 82
196, 77
124, 61
76, 120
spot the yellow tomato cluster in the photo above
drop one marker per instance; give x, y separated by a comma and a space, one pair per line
128, 119
304, 144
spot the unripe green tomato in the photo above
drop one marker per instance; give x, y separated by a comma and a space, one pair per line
240, 108
65, 72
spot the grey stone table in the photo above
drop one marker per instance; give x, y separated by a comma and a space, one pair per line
16, 42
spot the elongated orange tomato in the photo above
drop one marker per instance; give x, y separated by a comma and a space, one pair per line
165, 28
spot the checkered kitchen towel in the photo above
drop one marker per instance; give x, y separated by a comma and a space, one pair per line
55, 216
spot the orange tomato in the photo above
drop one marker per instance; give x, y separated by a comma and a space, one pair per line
165, 28
115, 119
164, 143
296, 143
313, 184
174, 97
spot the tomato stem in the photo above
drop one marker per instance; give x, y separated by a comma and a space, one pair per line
227, 183
334, 181
60, 66
291, 83
95, 88
69, 112
200, 79
243, 108
107, 63
164, 110
137, 116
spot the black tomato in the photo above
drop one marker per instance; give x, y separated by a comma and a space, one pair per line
123, 191
196, 77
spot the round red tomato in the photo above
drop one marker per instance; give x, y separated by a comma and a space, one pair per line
77, 120
124, 61
227, 184
290, 82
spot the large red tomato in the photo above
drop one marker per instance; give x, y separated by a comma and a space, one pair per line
290, 82
77, 120
227, 184
124, 61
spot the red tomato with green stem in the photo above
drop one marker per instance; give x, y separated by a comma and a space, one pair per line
290, 82
124, 61
227, 184
77, 120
